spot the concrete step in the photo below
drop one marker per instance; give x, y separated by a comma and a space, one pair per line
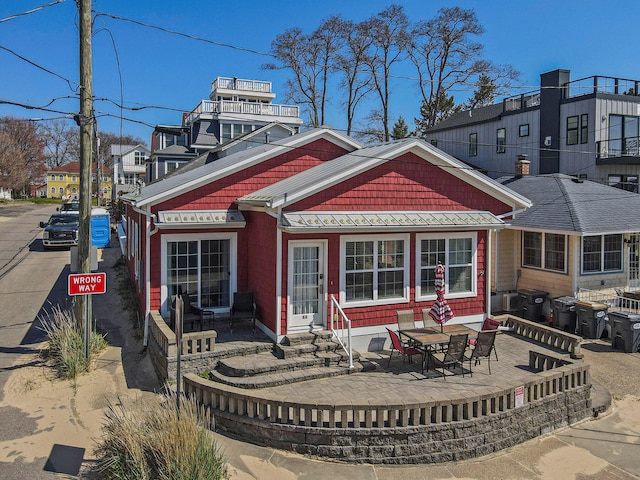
273, 379
297, 349
307, 337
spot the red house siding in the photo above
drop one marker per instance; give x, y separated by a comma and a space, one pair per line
259, 259
423, 186
223, 193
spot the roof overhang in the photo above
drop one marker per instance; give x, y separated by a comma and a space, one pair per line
305, 222
175, 219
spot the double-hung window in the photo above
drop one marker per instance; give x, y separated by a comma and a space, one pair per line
602, 253
572, 130
202, 266
546, 251
375, 269
457, 254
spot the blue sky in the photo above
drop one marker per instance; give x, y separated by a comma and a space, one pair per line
159, 69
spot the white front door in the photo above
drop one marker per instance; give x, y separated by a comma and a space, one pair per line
306, 286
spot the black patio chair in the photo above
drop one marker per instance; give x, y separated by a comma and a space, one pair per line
244, 308
453, 356
482, 348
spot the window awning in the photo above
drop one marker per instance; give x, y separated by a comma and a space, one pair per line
200, 219
373, 221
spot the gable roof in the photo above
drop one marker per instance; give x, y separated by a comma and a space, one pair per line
175, 185
122, 150
327, 174
564, 204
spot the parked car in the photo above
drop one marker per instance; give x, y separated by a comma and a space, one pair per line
61, 230
69, 207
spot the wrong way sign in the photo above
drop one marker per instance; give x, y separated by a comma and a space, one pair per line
87, 283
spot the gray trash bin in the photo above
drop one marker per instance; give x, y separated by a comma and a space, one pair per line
531, 302
564, 313
591, 318
625, 331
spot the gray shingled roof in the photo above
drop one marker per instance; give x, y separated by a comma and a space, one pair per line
565, 204
470, 117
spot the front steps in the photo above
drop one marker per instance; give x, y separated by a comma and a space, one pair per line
300, 357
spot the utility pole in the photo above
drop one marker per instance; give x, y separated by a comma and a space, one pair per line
85, 120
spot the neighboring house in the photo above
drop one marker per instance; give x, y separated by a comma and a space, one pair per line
315, 217
577, 235
64, 181
235, 108
587, 128
129, 166
5, 193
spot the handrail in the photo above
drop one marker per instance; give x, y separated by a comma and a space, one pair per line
627, 302
338, 330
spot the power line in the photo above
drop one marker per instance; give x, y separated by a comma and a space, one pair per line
42, 68
28, 12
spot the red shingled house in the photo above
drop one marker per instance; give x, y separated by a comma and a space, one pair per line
318, 216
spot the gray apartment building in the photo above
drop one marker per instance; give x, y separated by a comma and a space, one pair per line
587, 128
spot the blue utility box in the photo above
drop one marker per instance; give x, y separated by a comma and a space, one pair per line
100, 228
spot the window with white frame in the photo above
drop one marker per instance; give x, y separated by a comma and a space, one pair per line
139, 157
602, 253
548, 251
203, 267
53, 178
61, 177
375, 268
456, 253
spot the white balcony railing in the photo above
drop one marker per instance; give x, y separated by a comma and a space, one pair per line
243, 108
241, 84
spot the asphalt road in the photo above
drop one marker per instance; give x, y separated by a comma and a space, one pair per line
31, 281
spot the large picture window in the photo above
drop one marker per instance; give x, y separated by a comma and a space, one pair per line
546, 251
202, 267
375, 270
456, 254
602, 253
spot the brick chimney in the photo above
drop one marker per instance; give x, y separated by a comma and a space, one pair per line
522, 165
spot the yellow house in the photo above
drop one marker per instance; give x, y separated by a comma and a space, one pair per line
64, 181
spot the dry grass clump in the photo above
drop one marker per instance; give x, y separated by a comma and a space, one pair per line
66, 343
144, 441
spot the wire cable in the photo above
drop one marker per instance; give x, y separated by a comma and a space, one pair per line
33, 10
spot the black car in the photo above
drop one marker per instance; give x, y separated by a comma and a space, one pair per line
61, 230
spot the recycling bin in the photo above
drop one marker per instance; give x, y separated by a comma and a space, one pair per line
625, 331
531, 303
564, 313
591, 318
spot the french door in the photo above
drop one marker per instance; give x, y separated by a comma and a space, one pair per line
307, 304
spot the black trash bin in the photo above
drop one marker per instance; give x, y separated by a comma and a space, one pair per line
531, 302
564, 313
592, 318
625, 331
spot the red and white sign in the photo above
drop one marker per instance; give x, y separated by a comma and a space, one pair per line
87, 283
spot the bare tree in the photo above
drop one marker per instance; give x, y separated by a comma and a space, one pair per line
297, 52
107, 139
61, 142
446, 57
387, 31
22, 158
350, 63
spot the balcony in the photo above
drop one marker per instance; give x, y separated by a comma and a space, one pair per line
519, 102
288, 113
597, 84
625, 151
225, 83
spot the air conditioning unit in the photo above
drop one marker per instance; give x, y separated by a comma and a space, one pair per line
510, 301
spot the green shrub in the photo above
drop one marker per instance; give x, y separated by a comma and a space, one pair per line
144, 441
66, 343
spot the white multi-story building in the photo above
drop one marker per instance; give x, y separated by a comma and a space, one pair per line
588, 128
129, 166
236, 107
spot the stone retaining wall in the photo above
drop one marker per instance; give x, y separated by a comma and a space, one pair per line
432, 431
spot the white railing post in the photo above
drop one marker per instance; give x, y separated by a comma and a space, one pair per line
338, 329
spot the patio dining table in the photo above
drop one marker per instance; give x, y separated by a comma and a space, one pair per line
431, 339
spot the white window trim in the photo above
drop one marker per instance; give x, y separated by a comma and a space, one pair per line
474, 264
233, 263
343, 269
602, 252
